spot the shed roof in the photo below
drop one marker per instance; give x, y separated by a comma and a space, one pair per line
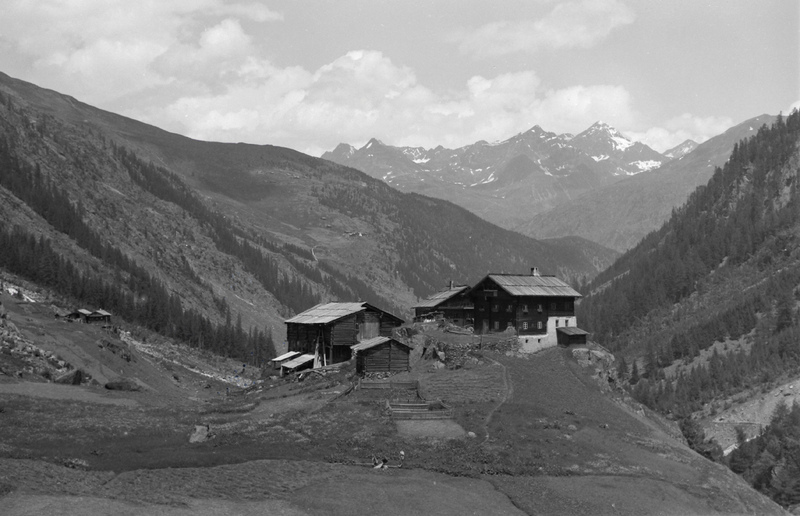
572, 330
329, 312
102, 312
441, 296
295, 362
375, 341
524, 285
84, 311
285, 356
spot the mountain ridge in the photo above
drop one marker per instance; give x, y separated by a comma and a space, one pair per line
506, 182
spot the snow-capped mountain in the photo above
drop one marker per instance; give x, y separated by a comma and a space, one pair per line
625, 157
681, 150
507, 181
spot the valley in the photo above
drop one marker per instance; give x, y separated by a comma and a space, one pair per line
201, 251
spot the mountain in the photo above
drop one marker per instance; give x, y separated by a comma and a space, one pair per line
506, 182
185, 236
681, 149
605, 144
705, 310
620, 215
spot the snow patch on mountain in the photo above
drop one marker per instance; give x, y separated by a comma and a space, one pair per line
645, 165
620, 142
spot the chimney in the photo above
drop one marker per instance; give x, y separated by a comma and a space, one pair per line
535, 271
451, 284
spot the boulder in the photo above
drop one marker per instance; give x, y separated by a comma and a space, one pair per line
201, 434
123, 384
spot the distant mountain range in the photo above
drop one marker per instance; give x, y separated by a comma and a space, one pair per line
507, 182
620, 215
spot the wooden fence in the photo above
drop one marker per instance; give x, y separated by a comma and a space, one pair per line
389, 384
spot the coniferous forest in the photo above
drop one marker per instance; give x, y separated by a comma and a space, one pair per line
734, 241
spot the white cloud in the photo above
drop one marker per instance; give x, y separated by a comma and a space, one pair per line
681, 128
197, 67
364, 94
579, 24
103, 49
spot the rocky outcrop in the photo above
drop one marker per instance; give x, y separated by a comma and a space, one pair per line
598, 359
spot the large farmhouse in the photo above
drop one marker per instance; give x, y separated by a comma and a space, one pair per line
329, 330
534, 306
451, 303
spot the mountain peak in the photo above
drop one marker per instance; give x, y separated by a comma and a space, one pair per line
372, 142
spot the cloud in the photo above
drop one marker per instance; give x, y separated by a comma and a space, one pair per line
681, 128
105, 49
364, 94
197, 67
580, 24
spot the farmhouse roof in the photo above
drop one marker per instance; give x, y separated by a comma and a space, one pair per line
523, 285
102, 312
375, 341
84, 311
441, 296
328, 312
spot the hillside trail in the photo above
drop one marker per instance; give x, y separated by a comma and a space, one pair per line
508, 393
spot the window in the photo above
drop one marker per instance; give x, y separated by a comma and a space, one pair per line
497, 325
509, 325
539, 325
556, 323
525, 326
539, 308
524, 309
508, 308
495, 308
553, 307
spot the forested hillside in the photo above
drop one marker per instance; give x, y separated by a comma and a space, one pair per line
725, 269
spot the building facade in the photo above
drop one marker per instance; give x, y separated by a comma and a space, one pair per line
533, 306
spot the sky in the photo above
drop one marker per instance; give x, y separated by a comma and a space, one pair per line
312, 74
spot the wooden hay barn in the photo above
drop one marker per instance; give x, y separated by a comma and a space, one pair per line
381, 355
88, 317
329, 329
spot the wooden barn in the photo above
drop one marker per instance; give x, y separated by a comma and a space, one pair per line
329, 329
533, 306
452, 303
381, 355
85, 316
571, 336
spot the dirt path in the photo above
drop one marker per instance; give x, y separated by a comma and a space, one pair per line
508, 393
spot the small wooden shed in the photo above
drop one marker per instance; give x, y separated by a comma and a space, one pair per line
571, 336
381, 355
297, 364
277, 362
